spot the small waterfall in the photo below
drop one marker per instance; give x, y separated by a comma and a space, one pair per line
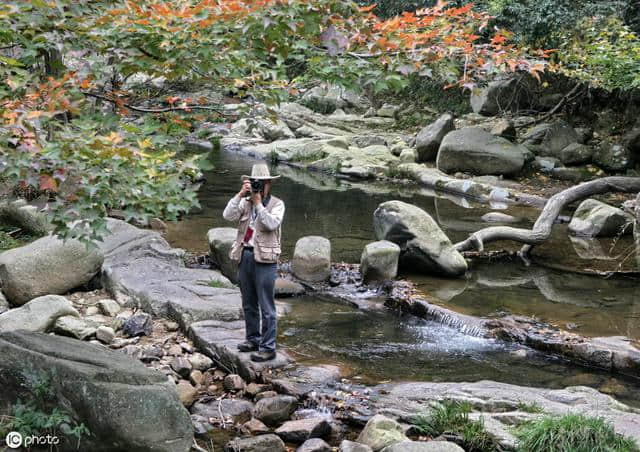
468, 325
319, 405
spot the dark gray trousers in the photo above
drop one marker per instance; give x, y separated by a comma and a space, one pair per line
257, 284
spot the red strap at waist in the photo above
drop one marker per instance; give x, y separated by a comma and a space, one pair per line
247, 235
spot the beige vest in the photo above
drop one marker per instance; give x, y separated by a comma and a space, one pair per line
266, 246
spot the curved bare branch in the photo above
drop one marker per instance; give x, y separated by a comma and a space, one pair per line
542, 228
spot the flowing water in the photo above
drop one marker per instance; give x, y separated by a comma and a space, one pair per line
375, 345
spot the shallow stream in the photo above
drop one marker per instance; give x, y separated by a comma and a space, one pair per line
376, 345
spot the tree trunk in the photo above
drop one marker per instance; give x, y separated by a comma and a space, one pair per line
542, 228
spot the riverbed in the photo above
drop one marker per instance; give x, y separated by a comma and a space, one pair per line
376, 345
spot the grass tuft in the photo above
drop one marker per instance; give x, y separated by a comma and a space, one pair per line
452, 418
572, 433
217, 284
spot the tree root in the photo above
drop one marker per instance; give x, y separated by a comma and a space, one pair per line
542, 228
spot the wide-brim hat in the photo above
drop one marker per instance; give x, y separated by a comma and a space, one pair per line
260, 171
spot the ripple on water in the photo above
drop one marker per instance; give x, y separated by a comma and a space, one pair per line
379, 345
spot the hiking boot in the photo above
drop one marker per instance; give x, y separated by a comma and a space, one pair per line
248, 346
263, 356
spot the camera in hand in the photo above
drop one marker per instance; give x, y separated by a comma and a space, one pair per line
256, 185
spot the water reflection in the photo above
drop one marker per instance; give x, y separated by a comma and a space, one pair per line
588, 304
342, 211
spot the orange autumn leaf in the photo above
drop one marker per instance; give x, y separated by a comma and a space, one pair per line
48, 183
366, 9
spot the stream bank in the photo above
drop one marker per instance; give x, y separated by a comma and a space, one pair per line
142, 272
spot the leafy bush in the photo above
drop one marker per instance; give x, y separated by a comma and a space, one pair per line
541, 22
452, 417
572, 433
602, 53
35, 416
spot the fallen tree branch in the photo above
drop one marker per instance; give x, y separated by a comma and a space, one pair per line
542, 228
157, 110
553, 110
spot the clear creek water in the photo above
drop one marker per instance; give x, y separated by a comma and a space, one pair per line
377, 345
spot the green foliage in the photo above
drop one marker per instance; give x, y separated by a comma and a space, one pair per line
217, 284
452, 417
10, 238
545, 22
95, 167
35, 416
539, 22
597, 40
602, 53
55, 141
572, 433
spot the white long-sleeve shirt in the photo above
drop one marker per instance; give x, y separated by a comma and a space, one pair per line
259, 214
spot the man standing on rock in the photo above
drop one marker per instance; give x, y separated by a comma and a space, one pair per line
257, 249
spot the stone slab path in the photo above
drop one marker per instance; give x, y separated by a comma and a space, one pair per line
142, 270
218, 340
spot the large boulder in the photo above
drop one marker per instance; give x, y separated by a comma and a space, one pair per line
576, 154
40, 314
593, 218
47, 266
312, 259
499, 95
381, 432
428, 139
220, 242
613, 157
424, 247
29, 218
125, 405
549, 139
478, 152
379, 261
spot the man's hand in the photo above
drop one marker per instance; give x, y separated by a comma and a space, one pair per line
246, 188
256, 198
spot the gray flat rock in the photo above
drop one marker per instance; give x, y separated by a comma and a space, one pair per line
142, 269
219, 340
499, 404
